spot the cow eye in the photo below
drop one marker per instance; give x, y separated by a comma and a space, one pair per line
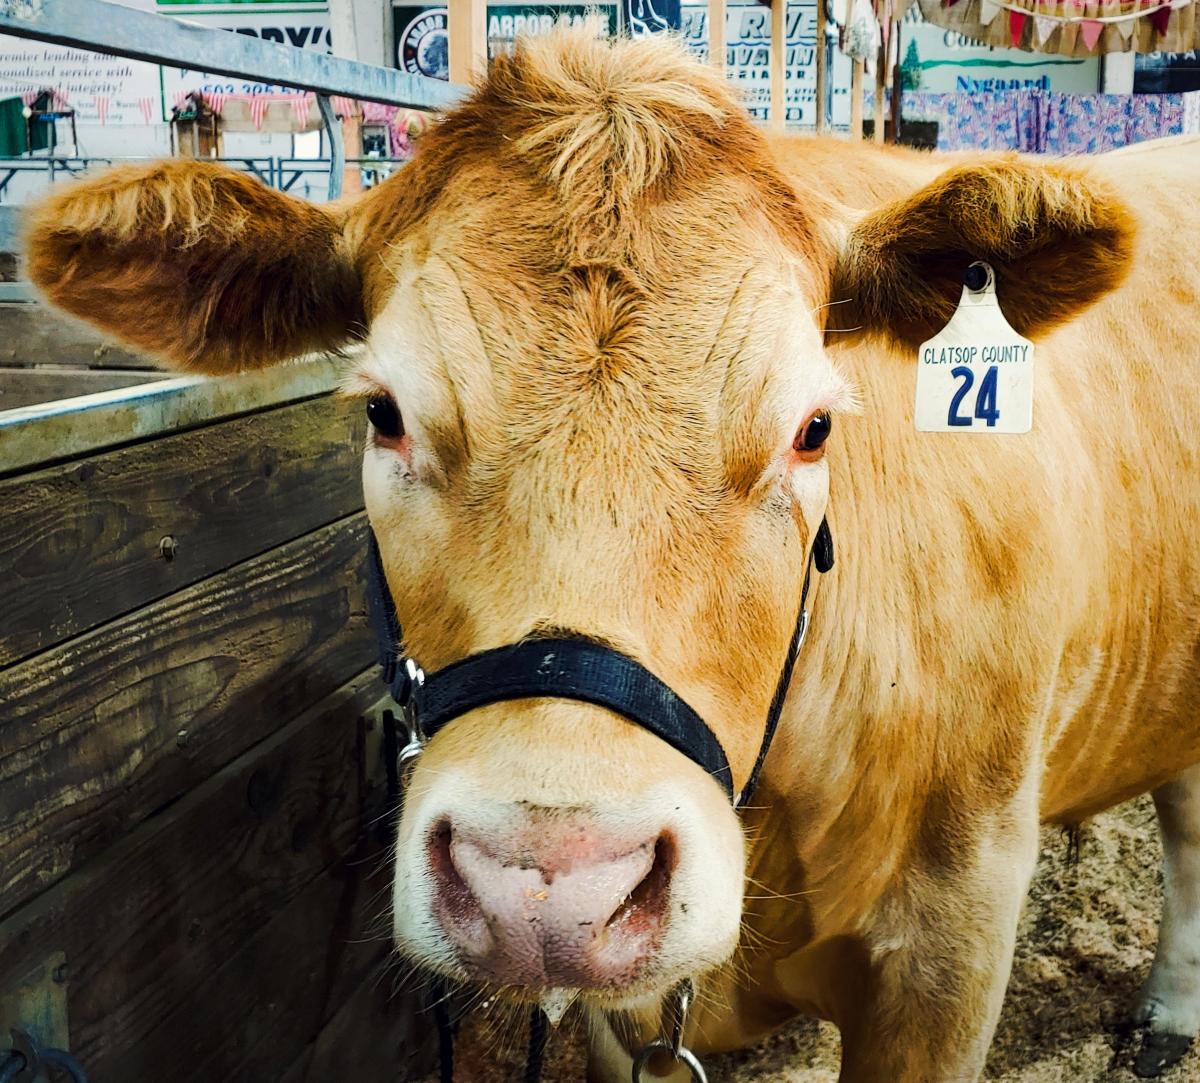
814, 432
384, 417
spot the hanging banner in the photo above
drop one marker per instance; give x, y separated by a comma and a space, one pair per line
941, 61
301, 25
421, 41
1166, 73
103, 90
748, 58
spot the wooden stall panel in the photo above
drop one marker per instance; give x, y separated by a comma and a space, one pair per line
220, 938
100, 731
31, 334
82, 543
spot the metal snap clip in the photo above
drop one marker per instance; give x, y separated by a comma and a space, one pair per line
678, 1007
414, 680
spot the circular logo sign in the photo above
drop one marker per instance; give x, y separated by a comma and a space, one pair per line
424, 47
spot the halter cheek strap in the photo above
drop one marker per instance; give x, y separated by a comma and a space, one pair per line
578, 669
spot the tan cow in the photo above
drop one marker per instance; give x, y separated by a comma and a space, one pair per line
607, 325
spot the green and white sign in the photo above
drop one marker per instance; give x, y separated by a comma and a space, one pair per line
937, 60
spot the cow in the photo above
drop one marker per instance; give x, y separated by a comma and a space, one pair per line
621, 355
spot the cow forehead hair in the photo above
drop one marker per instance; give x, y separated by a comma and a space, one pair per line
583, 151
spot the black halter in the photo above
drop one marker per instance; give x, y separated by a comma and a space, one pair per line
579, 669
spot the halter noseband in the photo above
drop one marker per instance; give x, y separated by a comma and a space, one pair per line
578, 669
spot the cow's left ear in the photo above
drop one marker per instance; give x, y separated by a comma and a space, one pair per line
1056, 236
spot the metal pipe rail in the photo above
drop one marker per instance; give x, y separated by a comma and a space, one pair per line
160, 39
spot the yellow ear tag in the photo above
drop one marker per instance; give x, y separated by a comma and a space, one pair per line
976, 374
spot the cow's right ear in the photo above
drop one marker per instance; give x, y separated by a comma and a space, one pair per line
198, 264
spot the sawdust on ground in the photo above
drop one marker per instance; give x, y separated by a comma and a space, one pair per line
1086, 942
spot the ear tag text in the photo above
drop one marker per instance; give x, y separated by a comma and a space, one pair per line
976, 374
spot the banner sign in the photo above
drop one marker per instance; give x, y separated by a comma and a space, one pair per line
1166, 73
748, 57
302, 26
103, 90
421, 41
937, 60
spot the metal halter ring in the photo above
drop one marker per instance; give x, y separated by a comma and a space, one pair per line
680, 1003
407, 700
683, 1055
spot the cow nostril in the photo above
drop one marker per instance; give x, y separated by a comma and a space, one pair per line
645, 905
456, 896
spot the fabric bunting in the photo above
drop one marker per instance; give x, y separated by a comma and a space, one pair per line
1091, 30
1043, 27
1016, 26
301, 106
1161, 19
988, 10
146, 105
258, 109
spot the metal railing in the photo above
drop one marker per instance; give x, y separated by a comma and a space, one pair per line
102, 27
282, 173
143, 35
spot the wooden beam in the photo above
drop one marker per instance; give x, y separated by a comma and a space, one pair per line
467, 33
880, 88
856, 99
779, 65
821, 75
716, 33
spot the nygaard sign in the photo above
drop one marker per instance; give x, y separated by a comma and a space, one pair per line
421, 40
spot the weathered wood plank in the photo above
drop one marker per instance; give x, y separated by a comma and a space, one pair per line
375, 1037
33, 437
26, 386
81, 541
35, 335
102, 730
153, 930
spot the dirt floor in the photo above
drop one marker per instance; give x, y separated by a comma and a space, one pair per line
1086, 942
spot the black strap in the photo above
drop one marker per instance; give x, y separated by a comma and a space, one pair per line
572, 669
384, 620
582, 670
821, 555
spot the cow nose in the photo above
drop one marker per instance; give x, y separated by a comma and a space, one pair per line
551, 904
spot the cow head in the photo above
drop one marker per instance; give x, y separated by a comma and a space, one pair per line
593, 366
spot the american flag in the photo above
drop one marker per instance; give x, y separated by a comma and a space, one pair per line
344, 107
215, 102
102, 104
146, 105
301, 107
28, 97
60, 98
258, 108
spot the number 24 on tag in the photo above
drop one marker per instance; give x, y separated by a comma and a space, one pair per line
976, 374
